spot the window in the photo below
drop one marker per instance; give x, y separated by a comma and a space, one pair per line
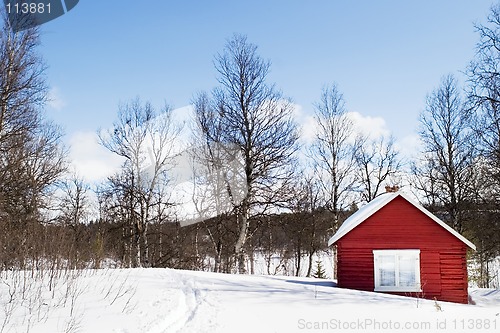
397, 270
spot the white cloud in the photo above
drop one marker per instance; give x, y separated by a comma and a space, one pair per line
409, 146
89, 159
94, 163
307, 124
55, 100
374, 127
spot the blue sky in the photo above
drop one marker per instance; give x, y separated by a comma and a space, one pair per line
385, 56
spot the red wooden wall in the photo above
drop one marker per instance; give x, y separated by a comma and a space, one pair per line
400, 225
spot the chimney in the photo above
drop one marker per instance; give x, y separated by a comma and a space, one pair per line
391, 189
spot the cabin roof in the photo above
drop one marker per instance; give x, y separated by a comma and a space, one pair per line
376, 204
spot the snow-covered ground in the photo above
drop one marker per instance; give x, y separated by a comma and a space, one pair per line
166, 300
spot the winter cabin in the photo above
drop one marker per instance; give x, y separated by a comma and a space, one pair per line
394, 245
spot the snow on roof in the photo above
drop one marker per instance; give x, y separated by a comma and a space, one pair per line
376, 204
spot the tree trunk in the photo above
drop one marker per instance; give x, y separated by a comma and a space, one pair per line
196, 248
145, 244
335, 262
218, 254
239, 248
309, 266
160, 241
137, 241
298, 260
268, 258
252, 263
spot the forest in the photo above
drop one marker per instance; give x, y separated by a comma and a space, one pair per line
256, 189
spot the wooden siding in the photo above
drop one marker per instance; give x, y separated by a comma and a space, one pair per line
399, 225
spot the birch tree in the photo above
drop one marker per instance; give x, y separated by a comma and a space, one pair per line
484, 97
446, 173
32, 157
146, 140
248, 115
334, 150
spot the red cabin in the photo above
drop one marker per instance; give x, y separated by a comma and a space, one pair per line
396, 246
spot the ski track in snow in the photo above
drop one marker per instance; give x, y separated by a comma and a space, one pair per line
189, 299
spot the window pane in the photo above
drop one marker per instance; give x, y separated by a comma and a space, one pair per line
407, 272
387, 270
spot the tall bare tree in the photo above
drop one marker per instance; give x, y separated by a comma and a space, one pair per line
247, 113
31, 153
146, 140
484, 96
334, 151
484, 92
446, 173
30, 146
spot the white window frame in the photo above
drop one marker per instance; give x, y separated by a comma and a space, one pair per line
397, 254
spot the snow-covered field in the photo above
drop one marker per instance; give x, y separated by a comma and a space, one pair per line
166, 300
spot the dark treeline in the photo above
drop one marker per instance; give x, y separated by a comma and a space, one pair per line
257, 191
201, 246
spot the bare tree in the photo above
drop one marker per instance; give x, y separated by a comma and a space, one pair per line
484, 71
377, 163
446, 173
22, 92
22, 84
75, 203
31, 155
484, 97
334, 151
247, 115
305, 206
116, 204
484, 94
145, 139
